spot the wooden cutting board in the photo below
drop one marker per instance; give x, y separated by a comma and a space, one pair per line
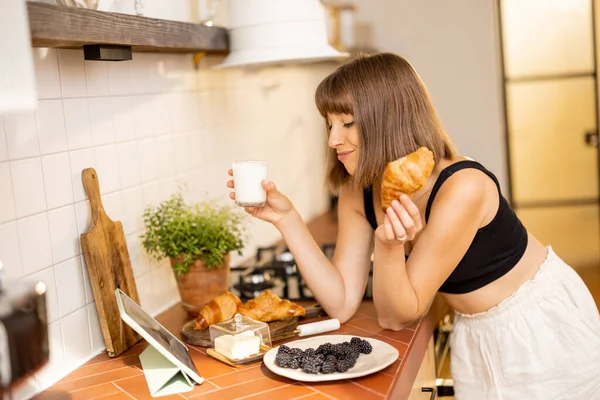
279, 329
107, 258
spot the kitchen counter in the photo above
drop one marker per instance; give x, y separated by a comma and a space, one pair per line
122, 377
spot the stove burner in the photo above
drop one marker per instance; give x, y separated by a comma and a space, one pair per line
276, 270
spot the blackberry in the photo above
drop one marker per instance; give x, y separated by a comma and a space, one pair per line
331, 358
355, 341
283, 349
293, 363
350, 361
365, 347
325, 349
352, 352
296, 353
310, 352
312, 365
329, 366
344, 365
283, 360
338, 350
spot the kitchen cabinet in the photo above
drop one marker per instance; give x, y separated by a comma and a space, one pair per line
426, 376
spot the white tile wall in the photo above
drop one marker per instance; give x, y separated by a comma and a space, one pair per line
28, 186
145, 125
97, 78
47, 74
77, 347
3, 145
9, 241
35, 243
51, 126
63, 233
57, 180
77, 117
7, 198
21, 135
69, 284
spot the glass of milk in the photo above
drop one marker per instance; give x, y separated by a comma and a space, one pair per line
247, 178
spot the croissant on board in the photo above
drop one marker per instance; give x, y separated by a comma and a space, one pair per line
406, 175
218, 309
269, 307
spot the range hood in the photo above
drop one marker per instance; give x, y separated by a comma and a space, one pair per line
267, 32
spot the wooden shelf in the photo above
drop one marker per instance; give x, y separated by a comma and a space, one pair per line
70, 27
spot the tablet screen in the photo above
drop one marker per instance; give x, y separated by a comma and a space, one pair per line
156, 334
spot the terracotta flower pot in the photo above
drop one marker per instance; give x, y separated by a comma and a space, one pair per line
200, 285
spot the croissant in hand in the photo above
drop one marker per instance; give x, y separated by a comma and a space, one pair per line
218, 309
406, 175
268, 307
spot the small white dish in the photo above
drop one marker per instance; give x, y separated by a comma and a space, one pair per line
382, 356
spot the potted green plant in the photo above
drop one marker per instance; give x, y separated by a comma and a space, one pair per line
198, 239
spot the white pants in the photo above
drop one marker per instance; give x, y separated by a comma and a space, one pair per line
543, 342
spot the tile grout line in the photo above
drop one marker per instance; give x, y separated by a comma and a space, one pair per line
117, 388
15, 220
242, 383
113, 144
202, 394
60, 316
123, 390
214, 384
198, 131
104, 372
176, 176
322, 393
100, 384
387, 373
53, 265
217, 388
92, 386
304, 396
101, 373
314, 391
367, 388
263, 392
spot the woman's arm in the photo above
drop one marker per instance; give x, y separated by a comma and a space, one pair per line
338, 286
403, 291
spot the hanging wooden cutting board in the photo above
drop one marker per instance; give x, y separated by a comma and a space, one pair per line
107, 258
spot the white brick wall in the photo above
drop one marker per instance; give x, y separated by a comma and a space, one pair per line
144, 125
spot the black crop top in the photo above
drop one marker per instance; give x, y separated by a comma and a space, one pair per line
495, 249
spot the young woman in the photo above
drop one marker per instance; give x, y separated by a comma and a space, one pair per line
526, 326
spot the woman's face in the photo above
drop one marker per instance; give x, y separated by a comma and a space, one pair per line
343, 137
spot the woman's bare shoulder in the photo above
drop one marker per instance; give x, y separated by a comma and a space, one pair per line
470, 187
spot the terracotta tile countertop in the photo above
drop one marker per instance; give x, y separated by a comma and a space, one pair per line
122, 377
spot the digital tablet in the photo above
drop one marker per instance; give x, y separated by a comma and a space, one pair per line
156, 335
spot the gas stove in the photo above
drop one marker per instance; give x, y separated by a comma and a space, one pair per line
274, 268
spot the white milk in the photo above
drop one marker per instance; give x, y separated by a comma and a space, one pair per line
247, 178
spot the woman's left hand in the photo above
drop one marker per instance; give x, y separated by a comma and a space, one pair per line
401, 224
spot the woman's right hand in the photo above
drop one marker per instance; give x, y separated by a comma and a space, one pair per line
277, 207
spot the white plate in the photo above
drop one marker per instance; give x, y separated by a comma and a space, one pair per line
382, 356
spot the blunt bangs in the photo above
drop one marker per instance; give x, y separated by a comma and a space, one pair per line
333, 95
